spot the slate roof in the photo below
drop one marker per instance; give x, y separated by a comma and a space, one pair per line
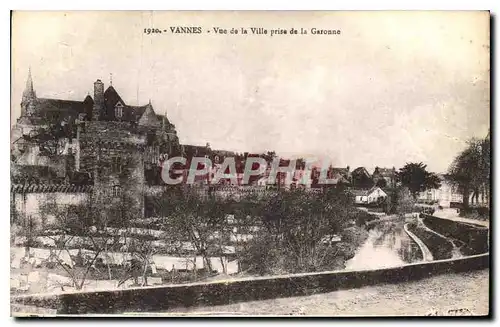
338, 178
361, 170
361, 192
340, 170
56, 110
130, 113
224, 153
33, 173
195, 150
385, 172
149, 117
344, 172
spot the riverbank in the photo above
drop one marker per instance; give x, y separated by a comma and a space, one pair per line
387, 245
439, 246
452, 214
450, 294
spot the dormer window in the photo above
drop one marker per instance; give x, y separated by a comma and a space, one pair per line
119, 110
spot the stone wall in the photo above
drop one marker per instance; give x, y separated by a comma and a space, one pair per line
476, 237
440, 247
29, 203
164, 298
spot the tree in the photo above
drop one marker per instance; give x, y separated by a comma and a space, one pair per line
417, 179
194, 217
140, 246
470, 170
381, 182
27, 227
298, 227
50, 139
95, 226
79, 226
361, 178
269, 156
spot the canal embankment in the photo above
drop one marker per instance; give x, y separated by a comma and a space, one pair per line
426, 253
440, 247
474, 238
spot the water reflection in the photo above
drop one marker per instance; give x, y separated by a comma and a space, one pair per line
387, 245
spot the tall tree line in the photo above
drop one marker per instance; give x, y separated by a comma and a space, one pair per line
470, 171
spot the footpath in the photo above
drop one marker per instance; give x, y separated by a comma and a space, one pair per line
444, 295
452, 214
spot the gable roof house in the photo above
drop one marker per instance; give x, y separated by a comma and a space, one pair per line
341, 173
389, 175
368, 196
361, 178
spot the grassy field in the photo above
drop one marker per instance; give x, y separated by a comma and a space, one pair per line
450, 294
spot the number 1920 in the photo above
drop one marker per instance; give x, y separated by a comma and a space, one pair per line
152, 31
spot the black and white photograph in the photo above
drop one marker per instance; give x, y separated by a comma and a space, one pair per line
250, 163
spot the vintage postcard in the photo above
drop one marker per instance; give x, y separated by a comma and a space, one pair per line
236, 163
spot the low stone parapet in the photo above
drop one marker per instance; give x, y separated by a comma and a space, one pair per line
163, 298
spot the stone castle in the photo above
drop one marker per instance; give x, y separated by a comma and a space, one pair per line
99, 144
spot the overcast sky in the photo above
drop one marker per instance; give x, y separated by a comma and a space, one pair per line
392, 88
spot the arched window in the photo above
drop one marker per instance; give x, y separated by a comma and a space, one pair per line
117, 190
119, 110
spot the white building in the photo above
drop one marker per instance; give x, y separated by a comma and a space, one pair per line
369, 196
448, 193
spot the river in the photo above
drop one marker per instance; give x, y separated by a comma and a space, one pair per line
387, 245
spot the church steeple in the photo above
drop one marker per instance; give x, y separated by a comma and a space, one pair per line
29, 97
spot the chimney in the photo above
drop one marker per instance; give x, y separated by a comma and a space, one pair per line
98, 107
77, 145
